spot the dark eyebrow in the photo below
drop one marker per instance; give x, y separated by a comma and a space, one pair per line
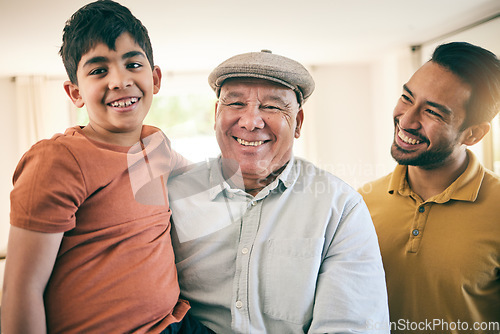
132, 54
405, 87
95, 60
442, 108
100, 59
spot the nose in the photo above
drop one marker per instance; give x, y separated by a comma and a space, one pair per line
251, 118
409, 118
119, 78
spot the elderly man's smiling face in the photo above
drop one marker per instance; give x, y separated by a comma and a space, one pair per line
256, 122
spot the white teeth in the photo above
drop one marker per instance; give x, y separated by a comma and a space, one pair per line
407, 139
124, 103
249, 143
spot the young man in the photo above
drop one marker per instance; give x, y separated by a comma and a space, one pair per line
437, 215
83, 255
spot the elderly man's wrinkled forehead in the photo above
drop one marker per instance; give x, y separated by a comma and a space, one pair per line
248, 82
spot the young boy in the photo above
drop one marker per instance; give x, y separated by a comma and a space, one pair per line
84, 256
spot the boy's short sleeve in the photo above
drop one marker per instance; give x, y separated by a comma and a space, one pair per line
48, 189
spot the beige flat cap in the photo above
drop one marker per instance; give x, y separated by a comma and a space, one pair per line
264, 65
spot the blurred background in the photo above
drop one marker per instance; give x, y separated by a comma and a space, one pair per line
360, 53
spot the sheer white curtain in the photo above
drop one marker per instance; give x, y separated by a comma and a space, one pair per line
31, 95
28, 101
42, 107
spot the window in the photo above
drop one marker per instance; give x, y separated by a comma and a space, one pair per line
188, 121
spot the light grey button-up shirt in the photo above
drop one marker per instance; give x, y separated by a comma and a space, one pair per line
299, 257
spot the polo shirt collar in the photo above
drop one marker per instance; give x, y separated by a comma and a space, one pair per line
464, 188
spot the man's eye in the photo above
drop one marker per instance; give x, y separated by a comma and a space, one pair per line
236, 104
405, 98
433, 113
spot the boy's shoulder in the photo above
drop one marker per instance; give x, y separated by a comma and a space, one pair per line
56, 142
69, 147
75, 136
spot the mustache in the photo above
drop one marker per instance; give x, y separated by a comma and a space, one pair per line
413, 132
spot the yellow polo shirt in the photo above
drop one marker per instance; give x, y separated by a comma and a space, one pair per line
441, 256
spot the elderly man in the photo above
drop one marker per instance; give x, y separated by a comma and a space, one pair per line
266, 242
437, 215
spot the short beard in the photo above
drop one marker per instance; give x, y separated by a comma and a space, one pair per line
428, 159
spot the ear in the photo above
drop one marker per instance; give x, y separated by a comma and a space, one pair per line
299, 119
475, 133
74, 94
216, 112
156, 79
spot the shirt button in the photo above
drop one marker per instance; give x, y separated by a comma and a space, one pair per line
244, 250
421, 209
239, 304
253, 203
415, 232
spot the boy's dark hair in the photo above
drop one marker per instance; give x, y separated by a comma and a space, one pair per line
480, 69
102, 21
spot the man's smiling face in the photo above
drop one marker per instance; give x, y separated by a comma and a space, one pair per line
429, 116
256, 122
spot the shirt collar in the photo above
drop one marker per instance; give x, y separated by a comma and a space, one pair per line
218, 184
464, 188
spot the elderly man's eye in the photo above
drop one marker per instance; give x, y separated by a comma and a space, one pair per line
271, 107
236, 104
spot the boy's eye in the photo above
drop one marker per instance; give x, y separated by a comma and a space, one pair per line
97, 71
134, 65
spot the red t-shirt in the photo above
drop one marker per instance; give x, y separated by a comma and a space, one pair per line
115, 270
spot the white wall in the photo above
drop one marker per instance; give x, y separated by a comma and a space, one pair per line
388, 76
348, 127
338, 121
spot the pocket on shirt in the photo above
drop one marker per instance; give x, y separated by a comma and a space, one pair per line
291, 272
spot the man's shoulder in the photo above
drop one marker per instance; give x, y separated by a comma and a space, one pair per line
376, 187
491, 181
191, 179
309, 169
310, 175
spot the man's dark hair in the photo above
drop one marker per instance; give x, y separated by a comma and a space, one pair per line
102, 21
480, 69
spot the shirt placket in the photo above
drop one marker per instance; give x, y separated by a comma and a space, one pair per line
249, 227
418, 226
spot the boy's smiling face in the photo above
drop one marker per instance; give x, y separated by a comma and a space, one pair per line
117, 87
